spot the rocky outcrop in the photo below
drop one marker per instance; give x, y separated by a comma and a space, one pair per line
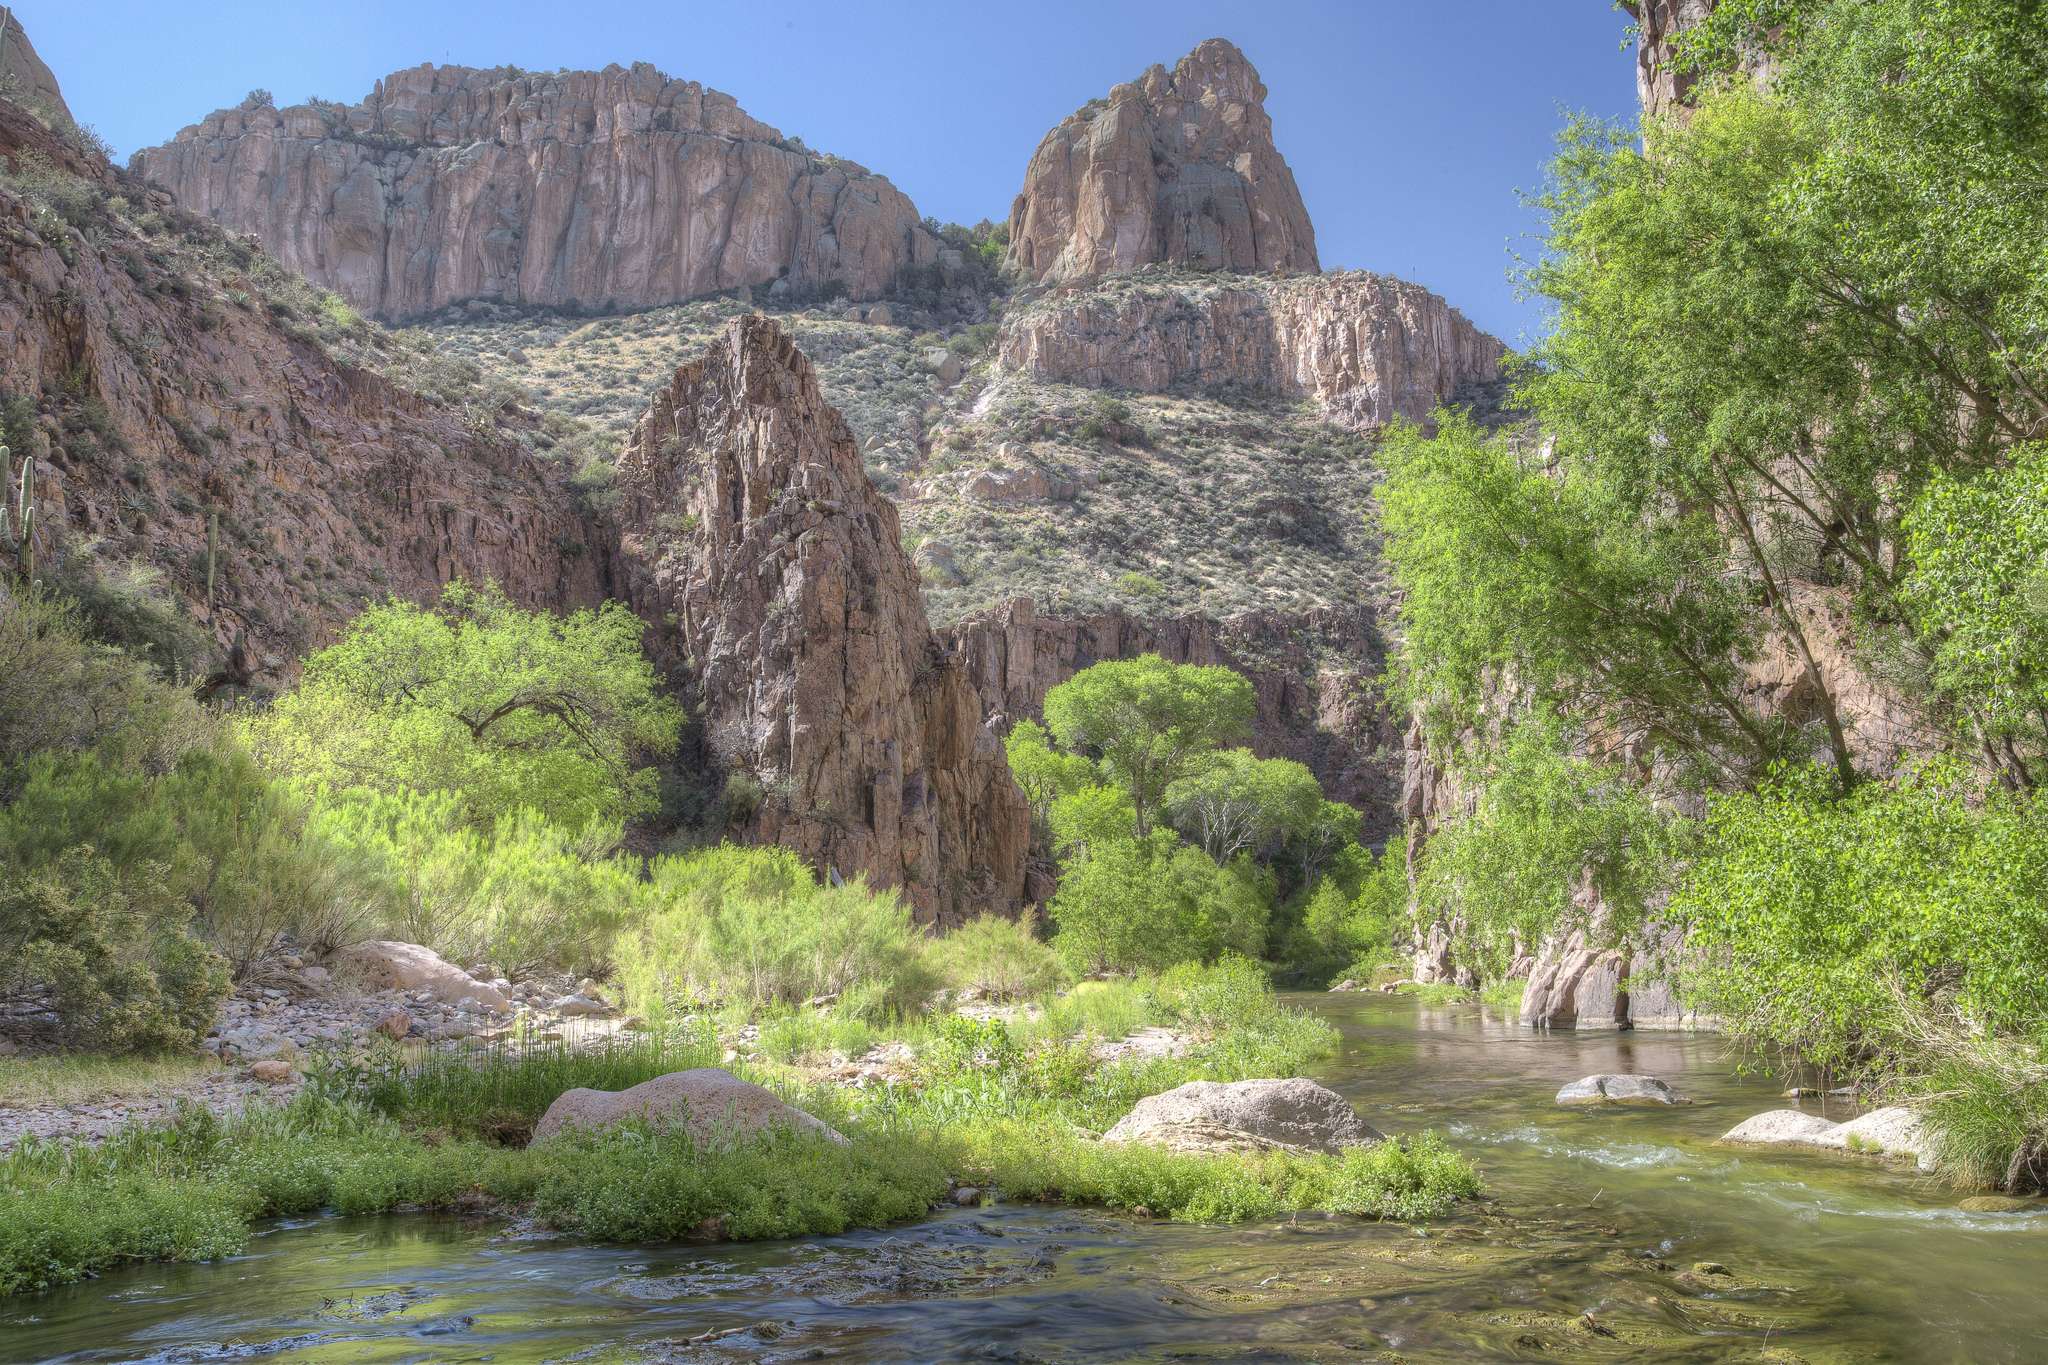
1660, 85
23, 77
387, 965
164, 393
777, 585
1311, 674
1246, 1116
1175, 166
1364, 348
619, 188
711, 1105
1896, 1134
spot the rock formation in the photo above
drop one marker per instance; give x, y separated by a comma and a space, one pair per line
1176, 166
619, 188
778, 584
712, 1105
158, 394
1660, 85
1365, 348
23, 77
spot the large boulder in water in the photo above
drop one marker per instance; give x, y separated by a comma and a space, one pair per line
1779, 1128
388, 965
1641, 1090
1245, 1116
1896, 1133
710, 1104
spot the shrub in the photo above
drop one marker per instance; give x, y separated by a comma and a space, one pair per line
751, 926
110, 956
999, 957
1138, 904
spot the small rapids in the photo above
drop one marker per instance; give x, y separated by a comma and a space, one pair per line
1606, 1235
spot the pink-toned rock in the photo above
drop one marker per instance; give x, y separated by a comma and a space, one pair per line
1176, 166
386, 965
22, 72
395, 1025
794, 617
710, 1104
620, 188
1293, 1115
1364, 348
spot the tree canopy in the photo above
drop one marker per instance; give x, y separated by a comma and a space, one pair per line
510, 708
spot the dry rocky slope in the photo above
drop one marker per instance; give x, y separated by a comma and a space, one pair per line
1175, 166
776, 575
23, 77
166, 377
619, 188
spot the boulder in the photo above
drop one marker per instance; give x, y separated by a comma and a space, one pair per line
1634, 1090
387, 965
2003, 1203
1294, 1115
395, 1025
708, 1103
1896, 1133
1779, 1128
271, 1071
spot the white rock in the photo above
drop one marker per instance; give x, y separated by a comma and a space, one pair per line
1612, 1089
1295, 1115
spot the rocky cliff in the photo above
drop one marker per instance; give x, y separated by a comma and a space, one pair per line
164, 377
1175, 166
619, 188
23, 77
1364, 348
777, 581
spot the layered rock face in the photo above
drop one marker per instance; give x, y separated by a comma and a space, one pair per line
1318, 713
1660, 86
618, 188
778, 583
1365, 348
167, 397
23, 77
1176, 166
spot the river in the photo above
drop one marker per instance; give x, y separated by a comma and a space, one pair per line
1615, 1235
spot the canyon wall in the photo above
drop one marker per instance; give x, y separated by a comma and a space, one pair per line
159, 394
1175, 166
1364, 348
23, 77
611, 189
774, 577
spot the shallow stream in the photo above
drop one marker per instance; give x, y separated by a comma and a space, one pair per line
1616, 1235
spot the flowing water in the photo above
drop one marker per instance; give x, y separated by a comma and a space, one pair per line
1618, 1235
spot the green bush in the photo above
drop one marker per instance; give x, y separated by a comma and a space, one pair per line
998, 957
112, 955
734, 925
1135, 905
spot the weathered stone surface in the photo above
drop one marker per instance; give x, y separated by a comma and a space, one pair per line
332, 484
1309, 674
1294, 1115
1660, 86
1779, 1128
710, 1104
618, 188
1176, 166
1624, 1090
1365, 348
271, 1071
23, 77
1896, 1133
385, 964
776, 579
395, 1025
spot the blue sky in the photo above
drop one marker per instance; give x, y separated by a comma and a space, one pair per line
1410, 124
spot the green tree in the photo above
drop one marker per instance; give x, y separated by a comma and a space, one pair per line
1043, 772
1148, 723
508, 707
1141, 904
1238, 803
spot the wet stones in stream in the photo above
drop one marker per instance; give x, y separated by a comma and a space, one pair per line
1623, 1090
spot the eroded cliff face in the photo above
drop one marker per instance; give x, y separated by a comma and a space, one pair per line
158, 392
777, 584
1365, 348
1660, 85
1175, 166
619, 188
23, 77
